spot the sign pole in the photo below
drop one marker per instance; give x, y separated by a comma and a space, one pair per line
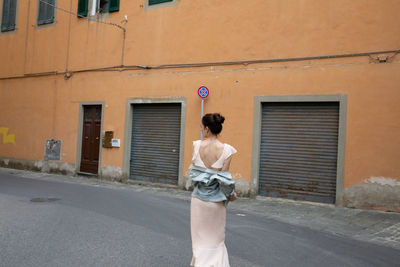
202, 111
203, 93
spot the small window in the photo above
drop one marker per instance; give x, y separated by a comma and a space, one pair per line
103, 6
108, 6
155, 2
91, 7
46, 12
8, 15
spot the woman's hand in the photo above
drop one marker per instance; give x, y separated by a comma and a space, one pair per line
233, 197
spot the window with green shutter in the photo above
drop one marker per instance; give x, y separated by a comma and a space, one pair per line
113, 5
91, 7
108, 6
8, 15
83, 8
102, 6
46, 12
155, 2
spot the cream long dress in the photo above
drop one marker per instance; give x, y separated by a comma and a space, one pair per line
208, 220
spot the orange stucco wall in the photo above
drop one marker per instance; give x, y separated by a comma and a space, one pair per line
198, 32
48, 107
37, 108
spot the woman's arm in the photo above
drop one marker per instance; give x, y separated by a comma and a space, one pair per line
233, 197
225, 168
193, 150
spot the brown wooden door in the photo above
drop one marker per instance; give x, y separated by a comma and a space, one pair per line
91, 139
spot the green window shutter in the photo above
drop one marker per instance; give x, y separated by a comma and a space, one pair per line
46, 12
42, 13
5, 15
83, 8
13, 14
114, 6
9, 15
155, 2
50, 10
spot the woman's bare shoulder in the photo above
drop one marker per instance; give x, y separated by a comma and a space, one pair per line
196, 142
229, 150
214, 145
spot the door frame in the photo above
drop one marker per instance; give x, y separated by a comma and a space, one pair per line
128, 131
340, 98
80, 134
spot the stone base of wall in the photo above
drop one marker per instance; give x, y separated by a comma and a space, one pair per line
109, 173
377, 193
53, 166
112, 173
242, 188
39, 165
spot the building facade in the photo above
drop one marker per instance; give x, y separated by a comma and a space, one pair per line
309, 89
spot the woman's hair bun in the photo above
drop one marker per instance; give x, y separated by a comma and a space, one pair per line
218, 118
213, 121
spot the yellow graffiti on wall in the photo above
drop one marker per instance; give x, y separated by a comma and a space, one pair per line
7, 138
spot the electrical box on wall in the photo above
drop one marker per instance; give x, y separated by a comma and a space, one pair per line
53, 149
108, 136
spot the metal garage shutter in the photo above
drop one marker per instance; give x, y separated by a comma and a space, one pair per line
155, 142
298, 153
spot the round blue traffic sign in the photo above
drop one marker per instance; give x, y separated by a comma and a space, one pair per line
203, 92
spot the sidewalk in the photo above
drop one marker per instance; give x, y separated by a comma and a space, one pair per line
371, 226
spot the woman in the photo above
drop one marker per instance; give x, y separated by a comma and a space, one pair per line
213, 188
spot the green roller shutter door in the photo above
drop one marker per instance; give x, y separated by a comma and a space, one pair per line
155, 143
298, 151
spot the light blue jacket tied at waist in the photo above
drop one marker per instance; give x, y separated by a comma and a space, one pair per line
211, 185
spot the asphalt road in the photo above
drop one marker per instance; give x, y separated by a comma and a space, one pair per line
97, 226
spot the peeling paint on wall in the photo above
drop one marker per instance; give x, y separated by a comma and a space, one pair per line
383, 181
380, 193
39, 165
112, 173
61, 167
242, 187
